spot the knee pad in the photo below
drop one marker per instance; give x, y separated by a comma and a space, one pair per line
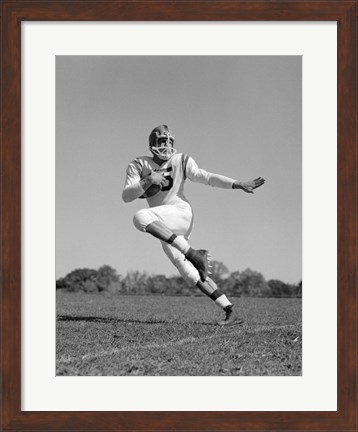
143, 218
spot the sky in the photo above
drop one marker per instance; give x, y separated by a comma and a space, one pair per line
240, 116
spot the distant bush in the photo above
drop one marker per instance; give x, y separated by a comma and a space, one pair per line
89, 280
248, 283
281, 289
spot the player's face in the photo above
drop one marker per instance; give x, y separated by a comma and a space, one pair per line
165, 142
164, 148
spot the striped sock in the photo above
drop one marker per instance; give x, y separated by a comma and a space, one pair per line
220, 299
223, 301
210, 288
179, 243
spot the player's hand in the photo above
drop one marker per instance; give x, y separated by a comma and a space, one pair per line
157, 178
249, 186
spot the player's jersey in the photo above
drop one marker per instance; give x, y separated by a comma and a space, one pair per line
176, 170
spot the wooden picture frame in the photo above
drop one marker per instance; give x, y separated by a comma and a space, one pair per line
12, 14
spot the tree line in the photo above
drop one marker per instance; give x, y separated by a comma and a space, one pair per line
246, 283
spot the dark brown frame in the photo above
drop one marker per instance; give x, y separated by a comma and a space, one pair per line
12, 13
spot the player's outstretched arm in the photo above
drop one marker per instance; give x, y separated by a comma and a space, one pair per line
196, 174
249, 186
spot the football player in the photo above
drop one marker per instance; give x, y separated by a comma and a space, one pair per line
160, 179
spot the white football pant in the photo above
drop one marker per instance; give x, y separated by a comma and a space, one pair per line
179, 219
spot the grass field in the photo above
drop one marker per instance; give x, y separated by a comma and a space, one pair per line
154, 335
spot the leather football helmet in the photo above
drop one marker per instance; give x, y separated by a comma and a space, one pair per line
161, 142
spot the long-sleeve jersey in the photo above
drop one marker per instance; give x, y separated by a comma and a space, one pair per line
176, 170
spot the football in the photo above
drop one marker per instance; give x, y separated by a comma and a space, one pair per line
151, 191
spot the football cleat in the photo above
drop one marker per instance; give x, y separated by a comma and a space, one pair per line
200, 260
230, 319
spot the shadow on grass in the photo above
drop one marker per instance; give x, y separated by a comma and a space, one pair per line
121, 320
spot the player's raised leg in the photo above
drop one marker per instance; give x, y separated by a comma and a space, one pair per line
147, 220
199, 258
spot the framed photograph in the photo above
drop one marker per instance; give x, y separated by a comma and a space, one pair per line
254, 91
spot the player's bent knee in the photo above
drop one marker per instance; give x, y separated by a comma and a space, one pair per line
142, 219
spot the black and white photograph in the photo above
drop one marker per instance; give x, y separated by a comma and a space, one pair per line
178, 215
